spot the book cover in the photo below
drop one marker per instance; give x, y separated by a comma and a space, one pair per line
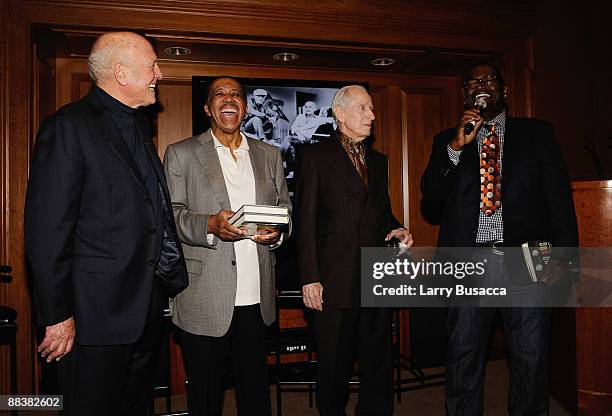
258, 223
268, 219
262, 209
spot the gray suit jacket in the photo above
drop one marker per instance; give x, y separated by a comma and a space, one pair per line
197, 190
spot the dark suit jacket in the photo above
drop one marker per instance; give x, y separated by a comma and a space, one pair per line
90, 226
536, 196
336, 216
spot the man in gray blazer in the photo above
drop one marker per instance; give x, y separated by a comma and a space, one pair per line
230, 298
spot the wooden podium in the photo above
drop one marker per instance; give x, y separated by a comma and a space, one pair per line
581, 377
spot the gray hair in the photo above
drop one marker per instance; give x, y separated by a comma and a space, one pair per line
97, 64
109, 49
341, 100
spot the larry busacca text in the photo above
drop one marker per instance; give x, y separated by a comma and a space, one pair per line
404, 268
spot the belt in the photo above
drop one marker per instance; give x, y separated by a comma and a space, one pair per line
496, 246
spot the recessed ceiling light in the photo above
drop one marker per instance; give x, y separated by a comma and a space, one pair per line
285, 57
177, 51
382, 61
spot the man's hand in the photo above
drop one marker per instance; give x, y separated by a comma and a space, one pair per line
267, 238
58, 342
218, 225
312, 295
461, 140
402, 234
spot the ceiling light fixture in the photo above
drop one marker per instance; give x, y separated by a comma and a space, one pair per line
285, 57
177, 51
382, 61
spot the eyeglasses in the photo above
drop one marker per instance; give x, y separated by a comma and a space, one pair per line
486, 81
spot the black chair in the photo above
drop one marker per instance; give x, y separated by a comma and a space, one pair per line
300, 375
162, 384
8, 331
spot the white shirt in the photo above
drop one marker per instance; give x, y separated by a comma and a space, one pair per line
240, 185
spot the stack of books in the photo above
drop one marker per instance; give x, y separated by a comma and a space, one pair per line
260, 219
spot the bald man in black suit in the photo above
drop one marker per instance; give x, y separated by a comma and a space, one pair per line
100, 237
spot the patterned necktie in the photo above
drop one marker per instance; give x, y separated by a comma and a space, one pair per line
356, 152
490, 175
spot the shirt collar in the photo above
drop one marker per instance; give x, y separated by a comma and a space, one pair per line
499, 120
244, 144
348, 139
114, 105
352, 147
500, 127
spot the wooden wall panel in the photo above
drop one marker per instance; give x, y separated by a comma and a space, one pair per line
71, 80
4, 217
174, 122
387, 128
173, 125
16, 139
398, 180
44, 101
593, 200
81, 85
581, 363
4, 155
423, 116
380, 126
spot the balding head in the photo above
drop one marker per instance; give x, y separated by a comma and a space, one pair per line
343, 95
124, 65
110, 49
354, 111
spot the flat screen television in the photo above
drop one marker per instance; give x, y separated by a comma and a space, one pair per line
283, 113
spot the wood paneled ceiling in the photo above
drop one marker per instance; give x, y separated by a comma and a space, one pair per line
254, 51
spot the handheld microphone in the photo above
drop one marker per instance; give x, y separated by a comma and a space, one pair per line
480, 104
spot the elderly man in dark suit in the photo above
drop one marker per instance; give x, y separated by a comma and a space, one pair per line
531, 200
342, 204
100, 237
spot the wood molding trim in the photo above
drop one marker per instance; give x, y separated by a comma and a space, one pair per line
70, 74
398, 23
183, 71
4, 201
16, 139
423, 115
398, 181
4, 155
78, 82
